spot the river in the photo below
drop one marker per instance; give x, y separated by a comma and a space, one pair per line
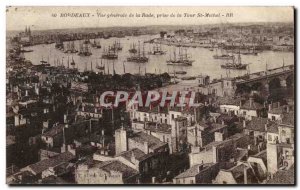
204, 62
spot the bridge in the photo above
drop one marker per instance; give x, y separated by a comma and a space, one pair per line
279, 77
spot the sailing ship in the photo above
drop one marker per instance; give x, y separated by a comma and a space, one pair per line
73, 62
180, 59
157, 50
109, 53
84, 50
138, 57
96, 44
117, 46
70, 48
43, 61
100, 67
250, 51
223, 55
59, 44
132, 48
236, 65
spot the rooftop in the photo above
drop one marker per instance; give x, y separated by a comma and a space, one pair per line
42, 165
153, 142
283, 177
119, 167
194, 170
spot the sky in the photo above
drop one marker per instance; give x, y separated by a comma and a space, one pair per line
41, 18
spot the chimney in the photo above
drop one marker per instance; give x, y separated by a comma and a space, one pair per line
241, 103
251, 102
270, 107
65, 118
96, 110
200, 168
153, 180
245, 176
223, 122
244, 123
278, 104
218, 137
37, 90
132, 159
266, 127
146, 147
26, 92
288, 109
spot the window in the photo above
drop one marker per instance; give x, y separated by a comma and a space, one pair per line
269, 137
172, 116
224, 182
273, 118
192, 181
283, 133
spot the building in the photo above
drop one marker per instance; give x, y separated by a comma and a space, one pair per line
198, 174
107, 172
239, 174
41, 168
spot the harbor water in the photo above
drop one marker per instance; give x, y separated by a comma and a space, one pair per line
204, 63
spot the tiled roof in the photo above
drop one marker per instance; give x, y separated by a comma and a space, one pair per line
158, 127
229, 101
137, 153
54, 180
273, 128
283, 177
194, 170
238, 170
255, 105
289, 119
262, 155
257, 124
153, 142
43, 165
54, 131
119, 167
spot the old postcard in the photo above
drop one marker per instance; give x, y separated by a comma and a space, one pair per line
150, 95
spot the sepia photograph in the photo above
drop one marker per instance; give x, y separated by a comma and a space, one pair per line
150, 95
